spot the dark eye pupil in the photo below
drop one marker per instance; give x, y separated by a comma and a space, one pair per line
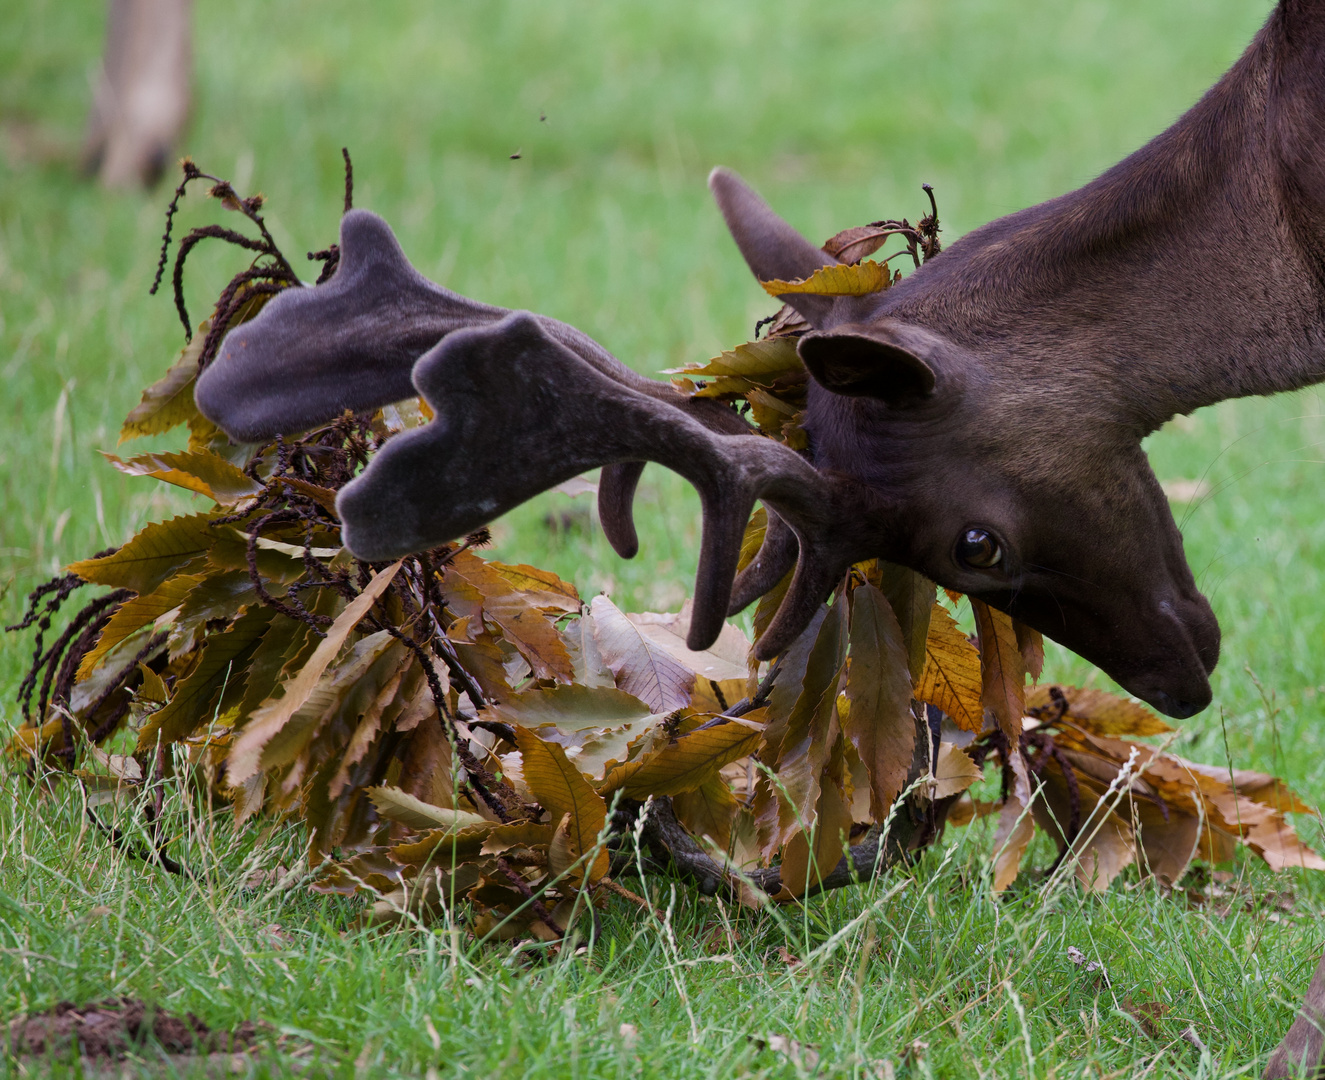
978, 549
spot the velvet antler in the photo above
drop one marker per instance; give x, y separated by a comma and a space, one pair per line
351, 343
518, 412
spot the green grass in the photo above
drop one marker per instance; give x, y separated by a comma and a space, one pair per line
837, 113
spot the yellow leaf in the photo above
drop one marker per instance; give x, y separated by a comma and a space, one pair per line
199, 470
690, 761
562, 790
951, 679
1002, 669
246, 754
771, 364
858, 279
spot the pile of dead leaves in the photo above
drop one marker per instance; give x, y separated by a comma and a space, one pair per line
470, 736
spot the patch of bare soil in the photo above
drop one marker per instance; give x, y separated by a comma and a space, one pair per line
109, 1030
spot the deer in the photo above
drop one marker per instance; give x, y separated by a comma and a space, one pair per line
980, 421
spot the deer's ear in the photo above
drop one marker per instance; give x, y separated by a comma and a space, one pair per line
884, 359
771, 247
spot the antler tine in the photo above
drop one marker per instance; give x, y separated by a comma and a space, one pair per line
518, 412
824, 528
352, 342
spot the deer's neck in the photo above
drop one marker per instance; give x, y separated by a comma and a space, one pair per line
1191, 272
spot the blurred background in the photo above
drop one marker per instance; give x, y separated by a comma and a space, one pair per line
553, 157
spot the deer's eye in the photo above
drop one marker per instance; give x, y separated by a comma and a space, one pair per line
978, 550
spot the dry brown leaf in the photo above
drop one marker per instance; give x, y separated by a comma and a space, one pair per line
1015, 829
641, 667
878, 690
951, 680
1002, 669
396, 805
522, 623
573, 708
809, 857
562, 790
246, 754
542, 588
912, 598
954, 772
1100, 712
711, 812
1031, 644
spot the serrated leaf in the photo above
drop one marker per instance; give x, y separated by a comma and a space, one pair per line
857, 279
542, 588
1016, 827
710, 811
688, 762
246, 754
562, 790
1099, 711
725, 659
798, 743
954, 772
199, 471
810, 855
134, 614
159, 550
1003, 673
639, 666
439, 847
517, 834
879, 721
951, 680
1031, 644
912, 598
521, 623
222, 660
168, 402
396, 805
572, 708
770, 363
